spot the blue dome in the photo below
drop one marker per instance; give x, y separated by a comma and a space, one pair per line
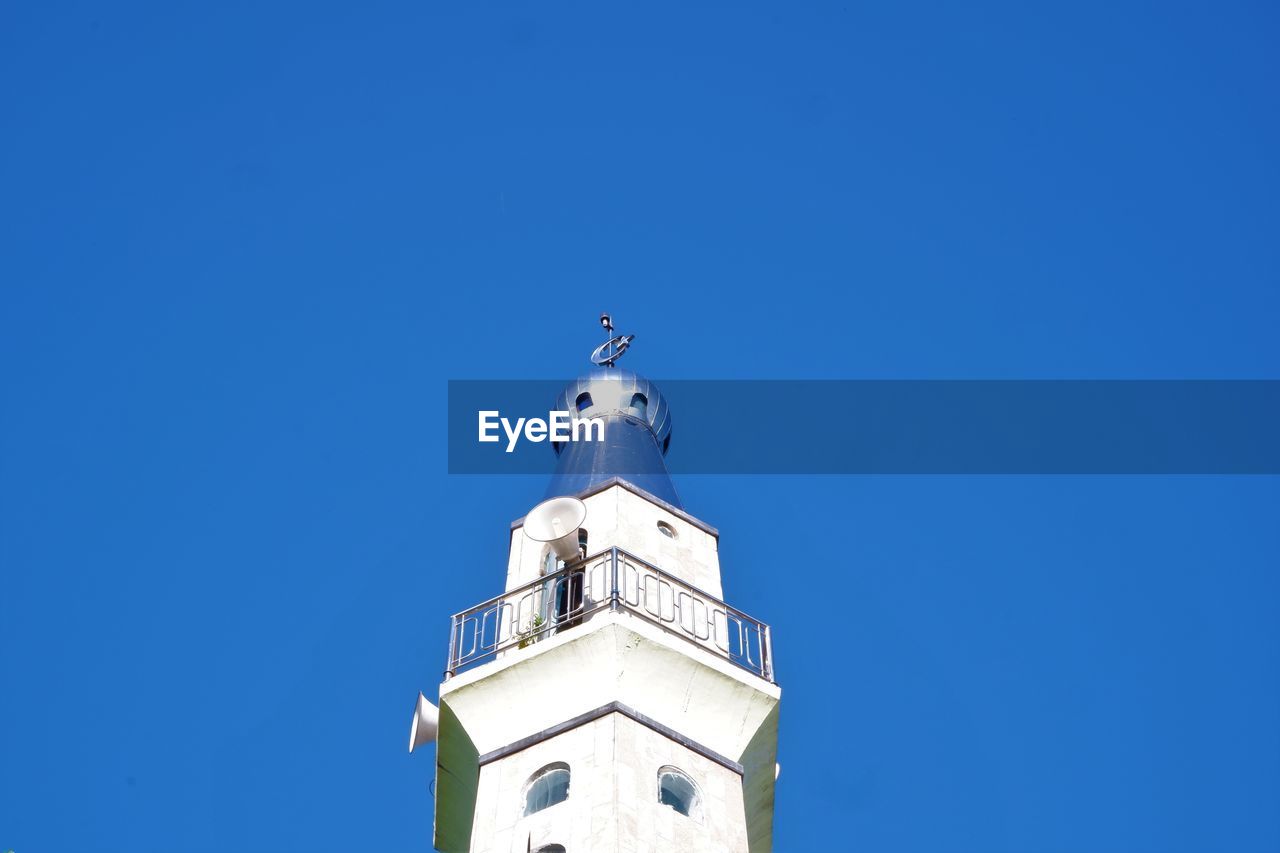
637, 433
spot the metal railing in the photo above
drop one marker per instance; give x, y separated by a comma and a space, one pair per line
610, 580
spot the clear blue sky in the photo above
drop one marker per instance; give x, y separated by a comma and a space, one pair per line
243, 246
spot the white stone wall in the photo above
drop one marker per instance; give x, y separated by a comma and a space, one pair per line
618, 517
614, 657
646, 825
577, 823
613, 802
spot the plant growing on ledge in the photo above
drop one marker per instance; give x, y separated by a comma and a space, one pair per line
531, 636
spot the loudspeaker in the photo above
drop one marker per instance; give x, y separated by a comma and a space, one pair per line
556, 522
426, 723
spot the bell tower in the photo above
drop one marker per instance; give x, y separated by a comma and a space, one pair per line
608, 700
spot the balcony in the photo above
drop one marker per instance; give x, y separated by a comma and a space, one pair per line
616, 581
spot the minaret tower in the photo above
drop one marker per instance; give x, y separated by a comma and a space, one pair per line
609, 700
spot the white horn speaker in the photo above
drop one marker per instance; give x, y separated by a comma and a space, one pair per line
426, 723
556, 522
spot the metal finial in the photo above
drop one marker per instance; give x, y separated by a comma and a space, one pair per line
609, 351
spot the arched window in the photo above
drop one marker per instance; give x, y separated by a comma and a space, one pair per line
550, 848
548, 786
583, 402
677, 790
640, 406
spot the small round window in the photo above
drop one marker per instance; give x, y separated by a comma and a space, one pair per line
667, 530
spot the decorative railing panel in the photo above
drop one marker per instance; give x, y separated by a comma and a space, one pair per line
611, 580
